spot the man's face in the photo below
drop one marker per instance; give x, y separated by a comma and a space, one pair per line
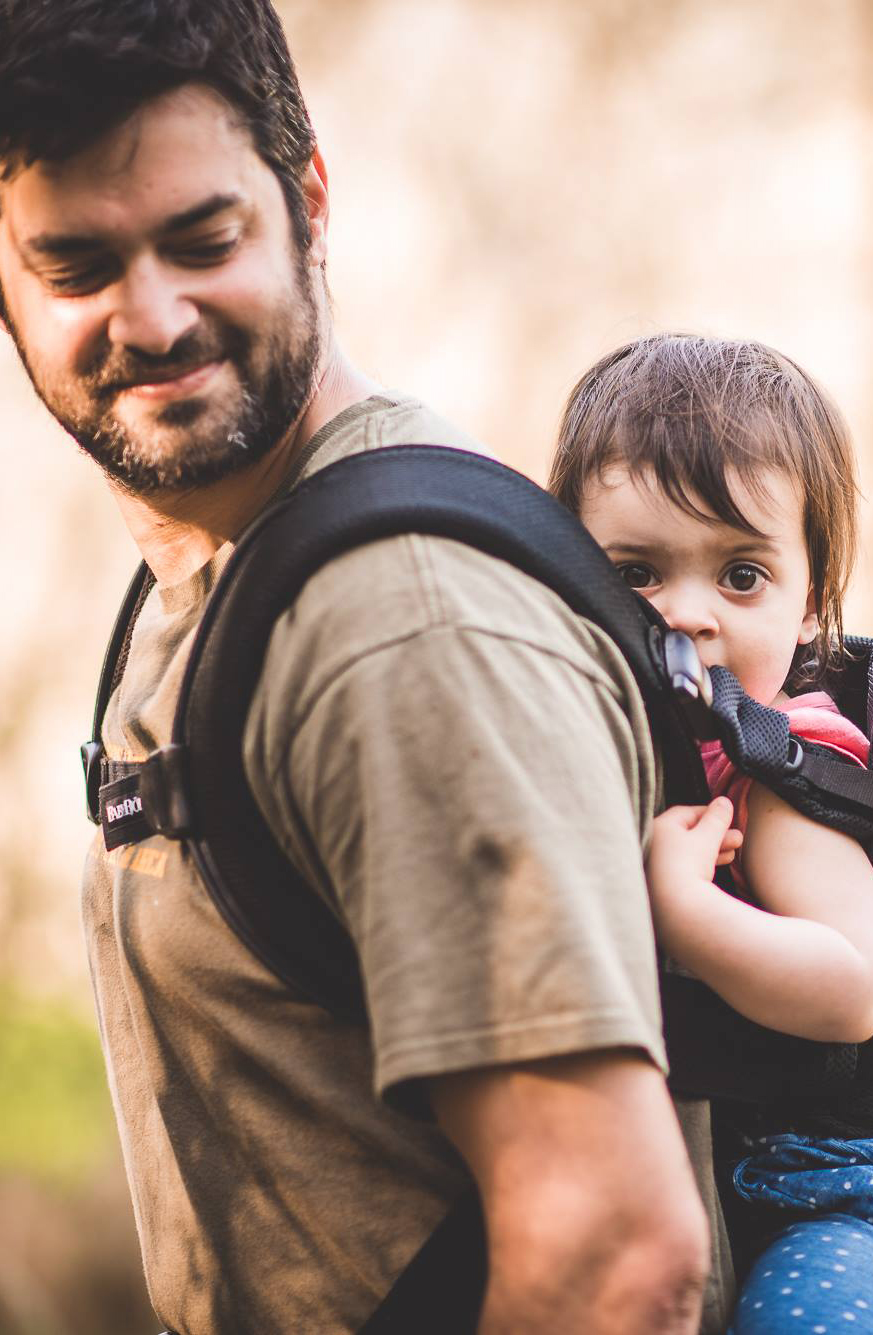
157, 298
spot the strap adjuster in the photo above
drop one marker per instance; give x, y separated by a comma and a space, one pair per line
92, 754
163, 786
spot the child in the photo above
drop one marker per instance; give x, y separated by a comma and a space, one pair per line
720, 482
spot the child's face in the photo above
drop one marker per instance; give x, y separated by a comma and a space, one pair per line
745, 601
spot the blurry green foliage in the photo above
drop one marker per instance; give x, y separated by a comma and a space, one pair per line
57, 1117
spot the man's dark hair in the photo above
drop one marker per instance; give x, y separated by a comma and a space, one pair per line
70, 70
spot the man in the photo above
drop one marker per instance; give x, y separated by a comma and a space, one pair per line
456, 762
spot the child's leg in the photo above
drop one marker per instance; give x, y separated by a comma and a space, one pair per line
815, 1279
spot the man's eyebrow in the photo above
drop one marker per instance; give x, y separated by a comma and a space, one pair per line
61, 245
201, 212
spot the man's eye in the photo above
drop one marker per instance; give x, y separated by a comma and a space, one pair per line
208, 252
637, 576
745, 578
77, 282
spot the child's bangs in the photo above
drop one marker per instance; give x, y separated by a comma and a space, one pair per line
703, 466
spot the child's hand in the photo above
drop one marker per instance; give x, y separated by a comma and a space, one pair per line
688, 843
698, 836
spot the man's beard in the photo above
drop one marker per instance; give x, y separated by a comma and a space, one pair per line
275, 378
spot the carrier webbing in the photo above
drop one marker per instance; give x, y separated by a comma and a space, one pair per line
195, 788
809, 777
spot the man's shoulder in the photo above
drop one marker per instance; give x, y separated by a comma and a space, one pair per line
392, 589
378, 422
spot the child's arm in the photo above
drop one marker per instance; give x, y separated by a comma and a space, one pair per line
805, 966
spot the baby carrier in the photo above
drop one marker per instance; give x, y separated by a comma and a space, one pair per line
195, 789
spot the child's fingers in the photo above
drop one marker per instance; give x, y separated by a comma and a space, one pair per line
723, 807
711, 832
716, 818
717, 814
730, 843
685, 818
704, 829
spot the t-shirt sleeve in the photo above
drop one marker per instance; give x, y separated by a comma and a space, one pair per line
469, 795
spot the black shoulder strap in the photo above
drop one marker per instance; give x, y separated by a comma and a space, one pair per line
96, 767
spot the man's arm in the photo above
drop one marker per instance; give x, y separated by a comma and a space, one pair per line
593, 1219
477, 800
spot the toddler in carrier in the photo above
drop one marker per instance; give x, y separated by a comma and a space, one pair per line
720, 482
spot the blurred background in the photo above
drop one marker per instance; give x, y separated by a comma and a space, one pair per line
516, 188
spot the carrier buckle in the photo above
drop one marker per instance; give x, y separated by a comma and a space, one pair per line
92, 755
163, 788
689, 680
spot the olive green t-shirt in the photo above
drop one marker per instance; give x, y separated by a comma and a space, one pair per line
462, 768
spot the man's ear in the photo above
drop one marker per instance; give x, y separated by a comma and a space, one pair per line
317, 199
809, 624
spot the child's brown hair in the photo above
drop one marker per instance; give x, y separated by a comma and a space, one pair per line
689, 411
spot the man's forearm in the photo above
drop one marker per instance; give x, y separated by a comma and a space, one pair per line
598, 1271
631, 1299
593, 1220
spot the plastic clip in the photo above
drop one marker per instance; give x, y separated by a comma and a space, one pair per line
163, 789
92, 755
690, 681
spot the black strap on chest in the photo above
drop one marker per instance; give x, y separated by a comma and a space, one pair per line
195, 789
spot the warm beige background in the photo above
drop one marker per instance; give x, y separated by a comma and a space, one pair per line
517, 187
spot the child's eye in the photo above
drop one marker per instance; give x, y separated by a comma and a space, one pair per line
638, 576
745, 578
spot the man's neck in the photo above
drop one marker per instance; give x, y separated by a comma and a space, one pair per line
178, 532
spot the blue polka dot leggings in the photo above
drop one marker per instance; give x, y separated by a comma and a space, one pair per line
816, 1276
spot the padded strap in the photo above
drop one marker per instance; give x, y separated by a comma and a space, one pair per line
809, 776
755, 737
114, 663
774, 1066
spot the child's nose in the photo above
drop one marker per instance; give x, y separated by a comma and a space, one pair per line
688, 610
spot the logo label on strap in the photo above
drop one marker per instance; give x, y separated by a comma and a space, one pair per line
121, 813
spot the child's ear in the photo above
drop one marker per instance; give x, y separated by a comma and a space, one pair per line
809, 624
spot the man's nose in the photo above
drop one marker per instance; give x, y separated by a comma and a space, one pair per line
690, 609
150, 312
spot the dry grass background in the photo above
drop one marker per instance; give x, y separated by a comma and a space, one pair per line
516, 189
